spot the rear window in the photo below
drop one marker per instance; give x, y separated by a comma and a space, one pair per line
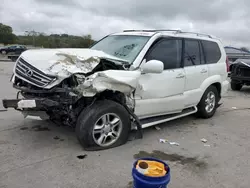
212, 51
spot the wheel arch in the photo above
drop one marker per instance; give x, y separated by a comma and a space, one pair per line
218, 87
115, 96
215, 81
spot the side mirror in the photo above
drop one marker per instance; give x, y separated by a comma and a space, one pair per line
152, 66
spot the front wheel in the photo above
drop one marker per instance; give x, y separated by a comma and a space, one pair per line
103, 125
208, 103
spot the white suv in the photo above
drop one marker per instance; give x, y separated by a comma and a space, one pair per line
133, 79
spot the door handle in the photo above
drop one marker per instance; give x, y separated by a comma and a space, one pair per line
180, 76
203, 71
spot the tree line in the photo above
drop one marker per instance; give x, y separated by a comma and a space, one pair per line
38, 39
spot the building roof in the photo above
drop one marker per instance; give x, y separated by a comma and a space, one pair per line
232, 50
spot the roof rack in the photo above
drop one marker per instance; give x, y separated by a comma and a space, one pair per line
152, 30
198, 34
176, 31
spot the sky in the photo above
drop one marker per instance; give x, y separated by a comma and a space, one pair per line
226, 19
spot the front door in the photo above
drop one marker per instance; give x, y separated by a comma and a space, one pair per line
162, 93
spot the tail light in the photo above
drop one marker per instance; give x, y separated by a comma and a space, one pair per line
227, 64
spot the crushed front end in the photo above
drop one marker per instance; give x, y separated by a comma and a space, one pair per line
58, 103
62, 88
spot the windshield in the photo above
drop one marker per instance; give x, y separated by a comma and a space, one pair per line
125, 47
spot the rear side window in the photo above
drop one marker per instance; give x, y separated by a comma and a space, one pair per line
212, 51
168, 51
192, 54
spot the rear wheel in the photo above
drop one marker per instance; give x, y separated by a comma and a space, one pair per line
208, 103
235, 86
103, 125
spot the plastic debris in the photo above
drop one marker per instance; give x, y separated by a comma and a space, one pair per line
174, 143
206, 145
142, 167
235, 108
204, 140
82, 156
163, 140
157, 128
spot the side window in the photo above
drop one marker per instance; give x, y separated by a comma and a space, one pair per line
168, 51
192, 55
212, 51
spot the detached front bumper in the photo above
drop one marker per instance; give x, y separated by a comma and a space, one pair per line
31, 108
35, 104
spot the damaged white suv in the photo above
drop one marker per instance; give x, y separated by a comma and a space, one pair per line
133, 79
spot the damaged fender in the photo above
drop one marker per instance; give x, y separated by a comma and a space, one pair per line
115, 80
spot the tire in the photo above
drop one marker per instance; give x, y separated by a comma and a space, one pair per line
235, 86
91, 115
203, 111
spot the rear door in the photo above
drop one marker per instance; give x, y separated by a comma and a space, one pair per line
215, 62
196, 71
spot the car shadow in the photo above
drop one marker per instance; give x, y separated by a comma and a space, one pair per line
40, 134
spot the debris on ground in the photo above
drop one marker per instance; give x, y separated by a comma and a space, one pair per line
24, 128
157, 128
235, 108
204, 140
174, 143
166, 141
163, 140
56, 138
82, 156
40, 128
206, 145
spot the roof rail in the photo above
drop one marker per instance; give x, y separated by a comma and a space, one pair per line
197, 34
175, 30
152, 30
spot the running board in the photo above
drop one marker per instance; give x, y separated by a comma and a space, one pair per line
147, 122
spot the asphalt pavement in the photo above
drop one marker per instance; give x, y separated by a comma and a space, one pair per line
40, 154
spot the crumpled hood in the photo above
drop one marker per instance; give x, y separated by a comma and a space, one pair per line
64, 62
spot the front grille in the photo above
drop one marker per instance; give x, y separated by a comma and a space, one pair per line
32, 74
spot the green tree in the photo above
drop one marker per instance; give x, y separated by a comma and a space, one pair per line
6, 34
